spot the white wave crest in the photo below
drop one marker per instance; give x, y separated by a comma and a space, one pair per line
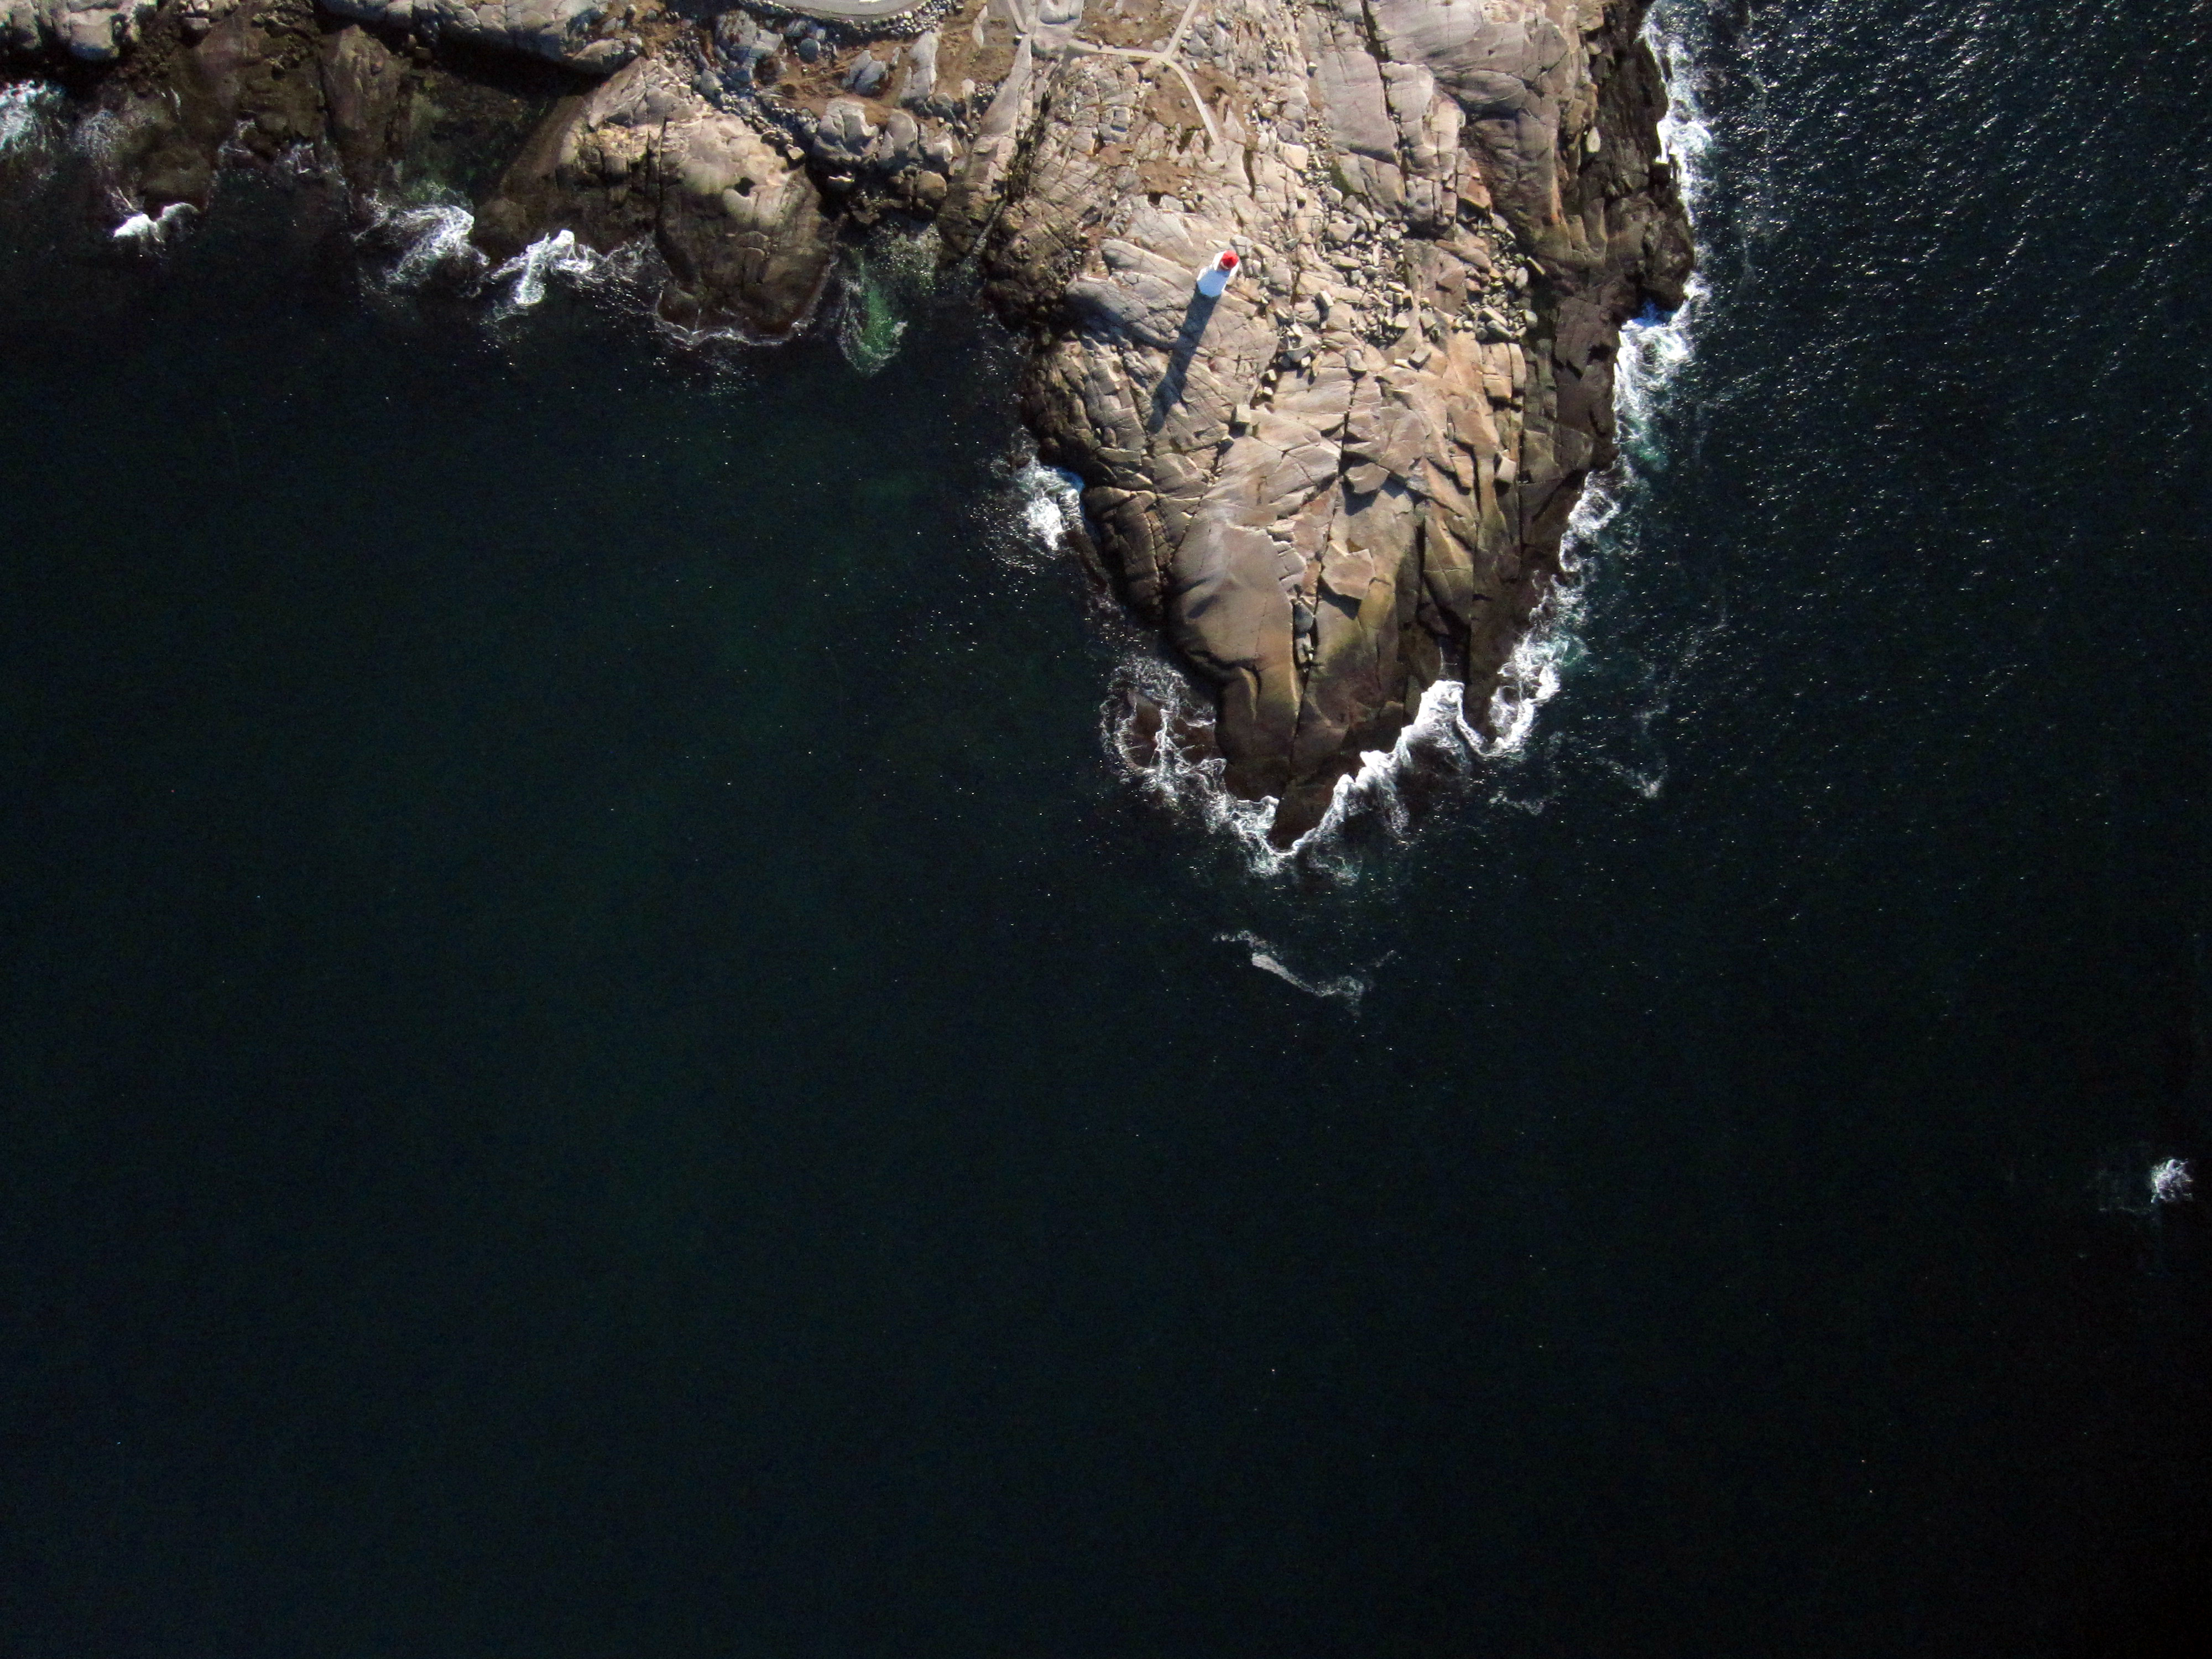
558, 255
1155, 729
1533, 673
1656, 351
27, 114
1438, 729
1346, 988
151, 230
1438, 744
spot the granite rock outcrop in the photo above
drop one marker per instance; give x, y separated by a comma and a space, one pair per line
1340, 483
1349, 478
92, 31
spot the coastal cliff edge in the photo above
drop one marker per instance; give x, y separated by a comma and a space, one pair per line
1340, 483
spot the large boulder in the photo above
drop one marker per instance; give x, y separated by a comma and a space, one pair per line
574, 33
93, 31
738, 221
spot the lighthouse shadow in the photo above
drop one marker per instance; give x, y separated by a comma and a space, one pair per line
1168, 392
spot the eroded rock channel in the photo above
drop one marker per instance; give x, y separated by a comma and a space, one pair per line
1341, 482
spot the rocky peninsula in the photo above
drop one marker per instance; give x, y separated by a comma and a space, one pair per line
1341, 482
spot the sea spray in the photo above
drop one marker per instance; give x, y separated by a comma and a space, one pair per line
1043, 512
101, 136
1657, 346
1686, 138
1591, 616
2140, 1181
1655, 349
1158, 729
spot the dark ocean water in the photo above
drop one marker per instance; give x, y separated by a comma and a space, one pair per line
596, 1062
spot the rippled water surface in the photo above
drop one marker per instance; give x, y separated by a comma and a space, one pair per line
598, 1061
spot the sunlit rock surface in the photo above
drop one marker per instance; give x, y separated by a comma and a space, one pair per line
1350, 478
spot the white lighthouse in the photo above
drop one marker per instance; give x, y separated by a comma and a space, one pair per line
1215, 277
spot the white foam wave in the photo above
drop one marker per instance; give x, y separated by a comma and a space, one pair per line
436, 238
1439, 742
2172, 1182
560, 255
27, 114
151, 230
1655, 349
1173, 767
1175, 771
1438, 729
1686, 138
1533, 673
1048, 509
1346, 988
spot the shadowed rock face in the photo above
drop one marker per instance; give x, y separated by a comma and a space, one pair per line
565, 32
638, 156
1344, 480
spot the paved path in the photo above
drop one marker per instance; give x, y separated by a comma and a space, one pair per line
851, 11
1169, 56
